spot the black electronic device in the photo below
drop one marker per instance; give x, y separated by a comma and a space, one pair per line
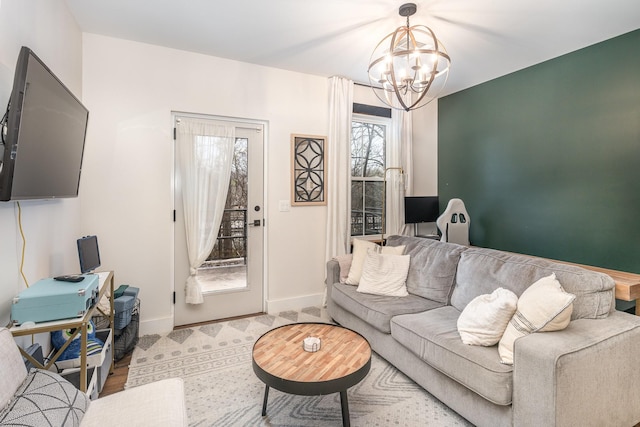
419, 209
42, 135
75, 278
88, 253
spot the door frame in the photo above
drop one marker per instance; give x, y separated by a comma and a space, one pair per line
265, 203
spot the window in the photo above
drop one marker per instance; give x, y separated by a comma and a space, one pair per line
368, 153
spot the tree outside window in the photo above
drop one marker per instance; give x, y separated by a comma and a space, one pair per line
368, 145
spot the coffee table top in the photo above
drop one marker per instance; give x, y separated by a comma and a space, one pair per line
280, 361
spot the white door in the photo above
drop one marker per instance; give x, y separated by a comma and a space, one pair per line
232, 277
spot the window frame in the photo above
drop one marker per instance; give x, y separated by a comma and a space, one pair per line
376, 120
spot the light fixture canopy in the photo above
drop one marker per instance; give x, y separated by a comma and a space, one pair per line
409, 67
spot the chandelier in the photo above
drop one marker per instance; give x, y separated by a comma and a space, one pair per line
409, 67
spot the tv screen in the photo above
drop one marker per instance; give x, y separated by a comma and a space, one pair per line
45, 134
421, 209
88, 253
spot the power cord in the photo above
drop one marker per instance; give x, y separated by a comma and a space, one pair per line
24, 244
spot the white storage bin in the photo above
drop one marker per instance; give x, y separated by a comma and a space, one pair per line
73, 376
97, 359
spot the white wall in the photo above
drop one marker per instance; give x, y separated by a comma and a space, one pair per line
50, 227
131, 89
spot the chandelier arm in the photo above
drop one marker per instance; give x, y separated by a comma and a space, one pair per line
398, 73
394, 82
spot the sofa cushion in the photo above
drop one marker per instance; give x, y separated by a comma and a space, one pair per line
12, 369
484, 319
481, 270
45, 399
377, 310
433, 337
384, 274
433, 266
160, 403
543, 307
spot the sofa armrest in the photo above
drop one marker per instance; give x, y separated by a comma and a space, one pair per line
333, 275
160, 403
583, 375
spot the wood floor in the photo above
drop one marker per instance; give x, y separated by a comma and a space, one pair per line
116, 381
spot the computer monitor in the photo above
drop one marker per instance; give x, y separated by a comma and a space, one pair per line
419, 209
88, 254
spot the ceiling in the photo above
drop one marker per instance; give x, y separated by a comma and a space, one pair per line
485, 38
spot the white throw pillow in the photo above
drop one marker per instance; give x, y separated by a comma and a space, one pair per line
385, 274
344, 261
359, 252
542, 307
484, 319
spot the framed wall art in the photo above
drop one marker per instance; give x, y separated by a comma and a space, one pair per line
309, 170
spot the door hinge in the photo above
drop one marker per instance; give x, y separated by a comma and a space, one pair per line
175, 133
174, 297
174, 215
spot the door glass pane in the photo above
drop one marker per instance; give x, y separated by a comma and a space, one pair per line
226, 267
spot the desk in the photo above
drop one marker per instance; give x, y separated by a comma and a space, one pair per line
105, 285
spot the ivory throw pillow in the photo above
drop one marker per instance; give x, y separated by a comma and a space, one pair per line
344, 261
542, 307
485, 318
385, 274
359, 252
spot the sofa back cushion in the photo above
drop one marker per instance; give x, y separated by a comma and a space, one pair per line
481, 270
432, 269
12, 369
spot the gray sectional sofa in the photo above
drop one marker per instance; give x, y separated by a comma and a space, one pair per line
584, 375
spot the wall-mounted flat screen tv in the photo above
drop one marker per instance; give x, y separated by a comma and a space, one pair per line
43, 135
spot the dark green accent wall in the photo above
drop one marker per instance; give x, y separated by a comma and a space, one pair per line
547, 159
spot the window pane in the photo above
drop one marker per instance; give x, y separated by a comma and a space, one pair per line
357, 211
367, 149
373, 207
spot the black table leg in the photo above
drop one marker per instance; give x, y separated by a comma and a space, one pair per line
345, 408
264, 403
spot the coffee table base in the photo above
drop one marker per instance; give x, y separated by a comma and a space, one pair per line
344, 403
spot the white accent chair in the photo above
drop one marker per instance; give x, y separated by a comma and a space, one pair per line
454, 223
160, 403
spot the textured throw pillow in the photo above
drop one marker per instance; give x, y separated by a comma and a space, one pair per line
384, 274
485, 318
45, 399
359, 252
542, 307
344, 261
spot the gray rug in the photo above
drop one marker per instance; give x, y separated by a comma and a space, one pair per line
222, 390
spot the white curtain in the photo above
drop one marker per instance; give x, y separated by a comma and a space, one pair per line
204, 151
339, 167
398, 185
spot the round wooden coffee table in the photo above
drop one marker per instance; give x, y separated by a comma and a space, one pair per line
280, 361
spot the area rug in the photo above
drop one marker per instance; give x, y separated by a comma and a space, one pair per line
221, 388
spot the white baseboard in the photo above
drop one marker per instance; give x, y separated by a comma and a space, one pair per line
156, 326
276, 306
165, 324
